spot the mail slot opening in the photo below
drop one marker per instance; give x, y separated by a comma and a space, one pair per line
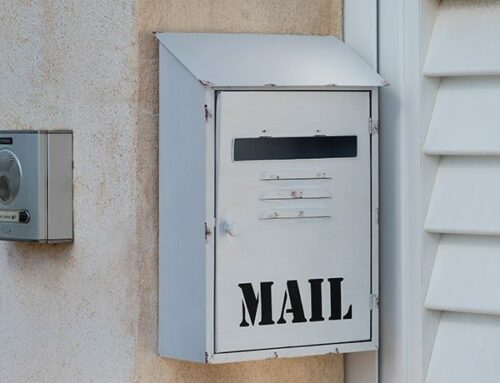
291, 148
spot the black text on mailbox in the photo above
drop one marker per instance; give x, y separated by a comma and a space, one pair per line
292, 303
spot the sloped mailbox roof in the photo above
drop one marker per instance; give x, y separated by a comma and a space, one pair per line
248, 60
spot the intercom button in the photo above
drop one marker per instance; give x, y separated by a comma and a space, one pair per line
24, 216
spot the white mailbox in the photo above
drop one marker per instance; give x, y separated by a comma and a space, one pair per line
268, 197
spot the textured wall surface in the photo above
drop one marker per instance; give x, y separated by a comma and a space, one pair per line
86, 312
68, 313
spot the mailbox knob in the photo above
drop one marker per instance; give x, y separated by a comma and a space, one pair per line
231, 229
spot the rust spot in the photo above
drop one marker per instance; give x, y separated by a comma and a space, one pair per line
296, 194
273, 215
274, 356
205, 83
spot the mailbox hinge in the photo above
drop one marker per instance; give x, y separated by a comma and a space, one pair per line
372, 126
208, 113
374, 301
208, 232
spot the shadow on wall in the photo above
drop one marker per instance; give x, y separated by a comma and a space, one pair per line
49, 254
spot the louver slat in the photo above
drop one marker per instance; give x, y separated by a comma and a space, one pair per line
465, 275
466, 40
466, 197
466, 118
464, 130
466, 350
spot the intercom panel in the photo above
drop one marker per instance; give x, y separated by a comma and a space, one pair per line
36, 186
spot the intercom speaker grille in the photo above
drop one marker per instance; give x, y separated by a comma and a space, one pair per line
10, 176
7, 158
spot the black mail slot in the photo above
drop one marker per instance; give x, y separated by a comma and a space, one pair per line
291, 148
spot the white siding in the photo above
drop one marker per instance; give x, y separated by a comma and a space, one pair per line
465, 40
465, 275
465, 198
466, 119
466, 350
465, 203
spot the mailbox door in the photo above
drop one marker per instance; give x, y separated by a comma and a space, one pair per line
293, 219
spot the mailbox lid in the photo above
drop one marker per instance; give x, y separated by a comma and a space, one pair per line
292, 224
249, 60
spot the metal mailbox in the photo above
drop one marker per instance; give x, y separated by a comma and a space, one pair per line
268, 197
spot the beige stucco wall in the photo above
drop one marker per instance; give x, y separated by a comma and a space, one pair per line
86, 312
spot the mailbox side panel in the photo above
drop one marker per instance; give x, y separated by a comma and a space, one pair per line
182, 203
60, 186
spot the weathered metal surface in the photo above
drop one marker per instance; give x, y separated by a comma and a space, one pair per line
290, 242
337, 195
229, 60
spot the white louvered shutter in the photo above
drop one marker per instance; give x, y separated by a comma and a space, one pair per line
465, 203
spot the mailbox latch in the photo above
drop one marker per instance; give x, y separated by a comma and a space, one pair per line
372, 126
374, 301
208, 231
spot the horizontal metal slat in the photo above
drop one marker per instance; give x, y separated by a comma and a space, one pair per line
296, 213
295, 174
283, 194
